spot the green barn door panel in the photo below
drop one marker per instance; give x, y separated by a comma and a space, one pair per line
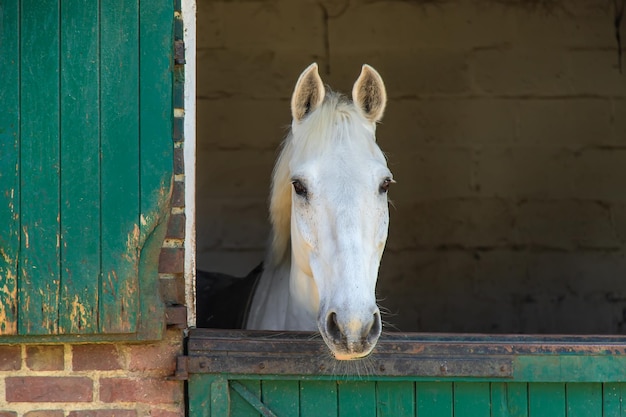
434, 399
318, 398
9, 165
119, 101
156, 147
86, 161
80, 168
40, 267
509, 399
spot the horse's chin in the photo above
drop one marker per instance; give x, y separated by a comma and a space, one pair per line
340, 356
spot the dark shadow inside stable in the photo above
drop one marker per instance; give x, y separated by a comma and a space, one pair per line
508, 214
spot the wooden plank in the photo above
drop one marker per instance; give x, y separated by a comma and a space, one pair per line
156, 112
613, 399
357, 398
434, 399
80, 168
120, 195
546, 399
472, 399
39, 261
156, 146
509, 399
282, 397
9, 164
200, 395
584, 399
318, 398
239, 406
395, 398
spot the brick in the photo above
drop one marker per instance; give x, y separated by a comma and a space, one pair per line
179, 161
619, 120
45, 358
599, 175
478, 223
596, 72
527, 172
436, 72
10, 358
176, 226
519, 71
103, 413
49, 389
178, 194
8, 413
259, 73
172, 289
281, 25
236, 263
149, 391
408, 25
239, 224
45, 413
573, 25
104, 357
172, 260
166, 413
159, 357
224, 174
431, 172
618, 214
565, 121
566, 225
220, 123
447, 121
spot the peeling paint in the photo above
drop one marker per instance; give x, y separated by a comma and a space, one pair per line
78, 314
26, 241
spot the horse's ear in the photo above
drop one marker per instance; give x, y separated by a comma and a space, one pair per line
308, 94
369, 94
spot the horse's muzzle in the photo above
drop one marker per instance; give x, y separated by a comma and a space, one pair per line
352, 338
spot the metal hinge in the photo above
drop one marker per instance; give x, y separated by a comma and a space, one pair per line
179, 52
182, 369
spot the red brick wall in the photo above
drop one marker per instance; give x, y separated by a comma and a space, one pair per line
93, 380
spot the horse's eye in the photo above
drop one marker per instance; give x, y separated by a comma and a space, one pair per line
384, 187
299, 188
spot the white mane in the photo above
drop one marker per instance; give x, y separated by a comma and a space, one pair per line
336, 120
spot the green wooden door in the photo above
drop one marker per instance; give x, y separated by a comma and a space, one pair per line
85, 164
245, 374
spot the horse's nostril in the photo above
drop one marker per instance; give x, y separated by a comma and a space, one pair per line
376, 327
333, 328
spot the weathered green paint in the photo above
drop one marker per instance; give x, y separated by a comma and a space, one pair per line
544, 377
584, 399
434, 399
120, 166
318, 398
614, 395
239, 406
9, 165
509, 399
39, 275
210, 396
85, 168
80, 168
357, 398
395, 399
547, 400
282, 397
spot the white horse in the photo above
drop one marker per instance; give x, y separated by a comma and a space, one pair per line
330, 216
